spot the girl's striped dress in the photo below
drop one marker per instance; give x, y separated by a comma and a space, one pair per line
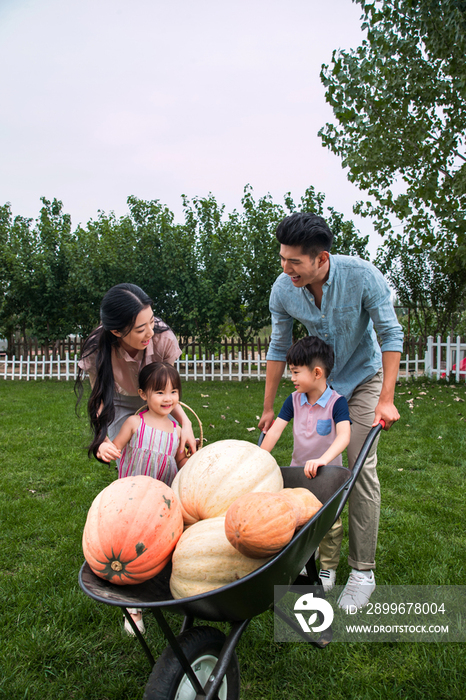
150, 452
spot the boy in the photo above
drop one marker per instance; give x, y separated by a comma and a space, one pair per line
321, 429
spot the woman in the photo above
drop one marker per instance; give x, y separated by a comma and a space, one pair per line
128, 338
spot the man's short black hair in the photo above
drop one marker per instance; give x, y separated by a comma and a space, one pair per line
309, 231
311, 352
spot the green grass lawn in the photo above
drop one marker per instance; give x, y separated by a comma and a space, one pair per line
58, 643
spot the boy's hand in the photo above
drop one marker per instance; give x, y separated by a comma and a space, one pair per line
311, 466
108, 451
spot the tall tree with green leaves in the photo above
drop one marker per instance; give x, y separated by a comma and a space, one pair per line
207, 276
427, 285
38, 298
18, 261
257, 261
51, 306
217, 291
400, 104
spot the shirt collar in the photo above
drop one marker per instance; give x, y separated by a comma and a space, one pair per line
121, 352
322, 401
331, 271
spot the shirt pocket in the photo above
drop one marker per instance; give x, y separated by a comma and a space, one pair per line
324, 427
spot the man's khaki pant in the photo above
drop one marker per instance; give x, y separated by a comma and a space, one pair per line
364, 500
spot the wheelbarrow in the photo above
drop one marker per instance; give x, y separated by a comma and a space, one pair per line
201, 662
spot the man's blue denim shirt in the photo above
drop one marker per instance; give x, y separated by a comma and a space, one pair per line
356, 298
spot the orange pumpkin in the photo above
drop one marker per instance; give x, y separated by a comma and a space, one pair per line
260, 524
304, 502
131, 530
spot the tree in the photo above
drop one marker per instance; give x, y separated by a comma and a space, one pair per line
426, 284
37, 261
258, 261
51, 304
211, 273
400, 103
17, 266
128, 249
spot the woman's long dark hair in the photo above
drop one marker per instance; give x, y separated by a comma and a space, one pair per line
118, 311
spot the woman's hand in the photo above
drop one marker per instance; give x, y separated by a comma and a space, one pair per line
108, 451
187, 438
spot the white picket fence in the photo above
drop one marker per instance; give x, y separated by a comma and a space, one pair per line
446, 359
442, 359
223, 368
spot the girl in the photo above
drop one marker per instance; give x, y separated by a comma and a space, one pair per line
128, 338
147, 443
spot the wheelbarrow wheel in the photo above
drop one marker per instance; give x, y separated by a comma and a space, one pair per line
201, 646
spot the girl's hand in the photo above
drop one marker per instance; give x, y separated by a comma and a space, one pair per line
108, 451
311, 466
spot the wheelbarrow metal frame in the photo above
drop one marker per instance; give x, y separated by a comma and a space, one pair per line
240, 601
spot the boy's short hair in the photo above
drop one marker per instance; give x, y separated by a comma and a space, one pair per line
311, 351
309, 231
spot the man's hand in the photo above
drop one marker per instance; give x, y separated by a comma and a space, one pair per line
266, 419
108, 451
387, 411
273, 376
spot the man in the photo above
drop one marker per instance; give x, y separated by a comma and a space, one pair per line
340, 299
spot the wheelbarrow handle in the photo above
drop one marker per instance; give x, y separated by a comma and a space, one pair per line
359, 463
377, 428
361, 458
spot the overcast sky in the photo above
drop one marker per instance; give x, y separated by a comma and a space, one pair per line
102, 99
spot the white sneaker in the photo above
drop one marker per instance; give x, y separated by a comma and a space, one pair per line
327, 577
358, 590
135, 612
303, 571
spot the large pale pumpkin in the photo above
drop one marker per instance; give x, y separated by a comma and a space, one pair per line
304, 502
204, 560
131, 530
218, 474
260, 524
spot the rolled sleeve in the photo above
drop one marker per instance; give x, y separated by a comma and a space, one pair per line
87, 364
379, 304
282, 328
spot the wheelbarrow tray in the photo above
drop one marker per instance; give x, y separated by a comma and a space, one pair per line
252, 594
